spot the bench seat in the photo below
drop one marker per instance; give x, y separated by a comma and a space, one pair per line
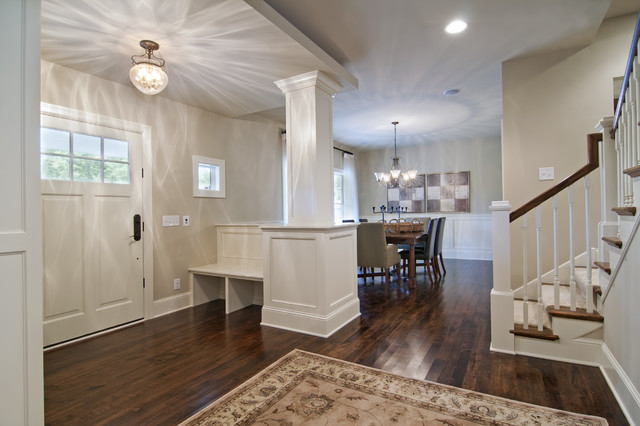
242, 283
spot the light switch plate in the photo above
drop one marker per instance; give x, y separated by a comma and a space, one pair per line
546, 173
185, 220
170, 220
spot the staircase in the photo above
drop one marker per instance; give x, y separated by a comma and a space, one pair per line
583, 309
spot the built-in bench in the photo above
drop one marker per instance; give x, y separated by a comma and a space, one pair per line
237, 274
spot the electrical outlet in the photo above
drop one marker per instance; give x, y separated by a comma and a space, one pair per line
185, 220
176, 284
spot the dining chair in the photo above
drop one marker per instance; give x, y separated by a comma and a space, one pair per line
374, 252
425, 252
438, 245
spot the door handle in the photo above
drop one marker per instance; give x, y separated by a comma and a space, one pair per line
137, 226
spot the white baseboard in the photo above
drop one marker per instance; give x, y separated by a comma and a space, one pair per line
171, 304
468, 253
621, 385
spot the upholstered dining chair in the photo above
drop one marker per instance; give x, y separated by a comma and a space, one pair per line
425, 253
437, 253
374, 252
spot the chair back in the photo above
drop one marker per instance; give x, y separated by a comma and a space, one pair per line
439, 235
372, 244
429, 241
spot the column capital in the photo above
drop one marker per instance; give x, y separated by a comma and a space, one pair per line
311, 79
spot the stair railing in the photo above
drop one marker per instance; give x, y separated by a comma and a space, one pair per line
625, 125
626, 135
502, 244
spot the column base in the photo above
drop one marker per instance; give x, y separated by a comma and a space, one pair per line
310, 278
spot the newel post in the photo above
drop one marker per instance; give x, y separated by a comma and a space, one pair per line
501, 294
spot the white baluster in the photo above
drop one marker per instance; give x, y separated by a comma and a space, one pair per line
623, 156
636, 119
589, 286
525, 289
538, 267
572, 260
633, 90
628, 154
556, 274
618, 146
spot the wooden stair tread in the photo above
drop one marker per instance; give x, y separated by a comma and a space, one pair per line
613, 241
605, 266
579, 313
546, 333
632, 171
624, 211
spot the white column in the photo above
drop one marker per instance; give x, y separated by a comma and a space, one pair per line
21, 386
309, 147
310, 264
501, 295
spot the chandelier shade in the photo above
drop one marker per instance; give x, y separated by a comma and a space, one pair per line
147, 73
395, 176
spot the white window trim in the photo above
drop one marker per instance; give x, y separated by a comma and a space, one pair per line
208, 193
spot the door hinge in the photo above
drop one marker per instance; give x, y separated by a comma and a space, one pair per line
143, 283
143, 173
142, 226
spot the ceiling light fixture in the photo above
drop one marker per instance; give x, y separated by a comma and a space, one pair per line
147, 73
396, 177
456, 27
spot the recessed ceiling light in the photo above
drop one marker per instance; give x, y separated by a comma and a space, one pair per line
451, 92
456, 27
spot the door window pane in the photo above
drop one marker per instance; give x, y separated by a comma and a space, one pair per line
116, 150
85, 158
54, 167
87, 170
54, 141
116, 172
86, 146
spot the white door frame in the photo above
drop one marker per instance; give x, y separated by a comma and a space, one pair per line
147, 185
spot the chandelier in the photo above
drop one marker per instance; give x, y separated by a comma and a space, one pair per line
395, 176
147, 73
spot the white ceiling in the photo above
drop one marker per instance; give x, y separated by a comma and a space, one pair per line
393, 58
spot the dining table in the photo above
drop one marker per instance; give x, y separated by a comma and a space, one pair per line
410, 239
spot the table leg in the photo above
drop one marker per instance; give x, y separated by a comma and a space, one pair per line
412, 266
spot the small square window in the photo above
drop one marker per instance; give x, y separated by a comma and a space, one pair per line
208, 177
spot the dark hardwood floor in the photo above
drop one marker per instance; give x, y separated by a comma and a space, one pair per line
166, 369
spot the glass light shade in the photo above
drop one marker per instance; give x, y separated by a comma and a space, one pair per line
150, 79
412, 174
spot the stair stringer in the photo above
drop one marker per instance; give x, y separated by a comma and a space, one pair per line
580, 342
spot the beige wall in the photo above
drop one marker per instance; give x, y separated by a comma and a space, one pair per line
251, 149
480, 156
550, 103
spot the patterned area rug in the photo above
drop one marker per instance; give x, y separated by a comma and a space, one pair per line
305, 388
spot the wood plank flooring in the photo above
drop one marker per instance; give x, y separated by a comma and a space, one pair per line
164, 370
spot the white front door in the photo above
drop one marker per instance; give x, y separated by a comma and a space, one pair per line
91, 193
